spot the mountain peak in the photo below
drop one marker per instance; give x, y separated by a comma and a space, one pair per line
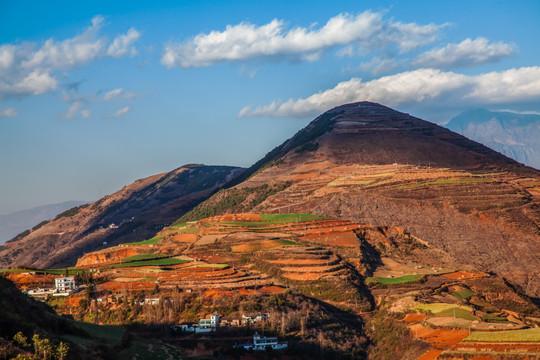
370, 133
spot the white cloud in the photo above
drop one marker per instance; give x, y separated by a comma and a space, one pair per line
423, 86
8, 112
122, 44
467, 53
85, 113
113, 93
246, 41
123, 111
75, 106
27, 69
379, 65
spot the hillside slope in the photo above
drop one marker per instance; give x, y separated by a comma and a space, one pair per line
367, 163
131, 214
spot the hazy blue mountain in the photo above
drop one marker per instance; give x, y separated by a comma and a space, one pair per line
514, 135
14, 223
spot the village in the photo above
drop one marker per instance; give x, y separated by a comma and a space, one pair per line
212, 323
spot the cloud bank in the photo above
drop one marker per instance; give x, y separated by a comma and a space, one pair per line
271, 41
27, 69
8, 112
423, 86
466, 53
123, 111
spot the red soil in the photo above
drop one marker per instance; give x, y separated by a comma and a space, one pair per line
430, 355
464, 275
267, 290
24, 280
414, 318
303, 276
440, 338
133, 285
186, 238
73, 301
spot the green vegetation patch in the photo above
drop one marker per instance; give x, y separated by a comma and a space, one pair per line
192, 230
494, 317
233, 201
463, 294
444, 309
147, 349
108, 334
396, 280
62, 271
143, 257
275, 219
448, 182
154, 262
216, 266
151, 241
182, 224
506, 336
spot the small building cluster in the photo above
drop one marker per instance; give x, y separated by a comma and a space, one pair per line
263, 343
63, 286
204, 326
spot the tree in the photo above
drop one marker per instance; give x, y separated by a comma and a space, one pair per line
21, 340
62, 351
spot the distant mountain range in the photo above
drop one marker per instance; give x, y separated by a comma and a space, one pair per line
14, 223
514, 135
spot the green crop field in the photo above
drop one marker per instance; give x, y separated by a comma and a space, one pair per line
151, 241
154, 262
107, 334
443, 309
143, 257
448, 182
505, 336
217, 266
61, 271
396, 280
494, 317
464, 293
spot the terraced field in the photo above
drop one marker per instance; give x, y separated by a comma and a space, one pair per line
217, 255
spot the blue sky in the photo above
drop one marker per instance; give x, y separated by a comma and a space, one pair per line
95, 96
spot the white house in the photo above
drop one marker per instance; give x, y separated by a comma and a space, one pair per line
204, 325
64, 284
262, 343
213, 322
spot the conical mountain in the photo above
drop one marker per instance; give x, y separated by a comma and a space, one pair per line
367, 163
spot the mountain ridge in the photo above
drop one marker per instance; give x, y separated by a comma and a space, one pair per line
515, 135
134, 212
14, 223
